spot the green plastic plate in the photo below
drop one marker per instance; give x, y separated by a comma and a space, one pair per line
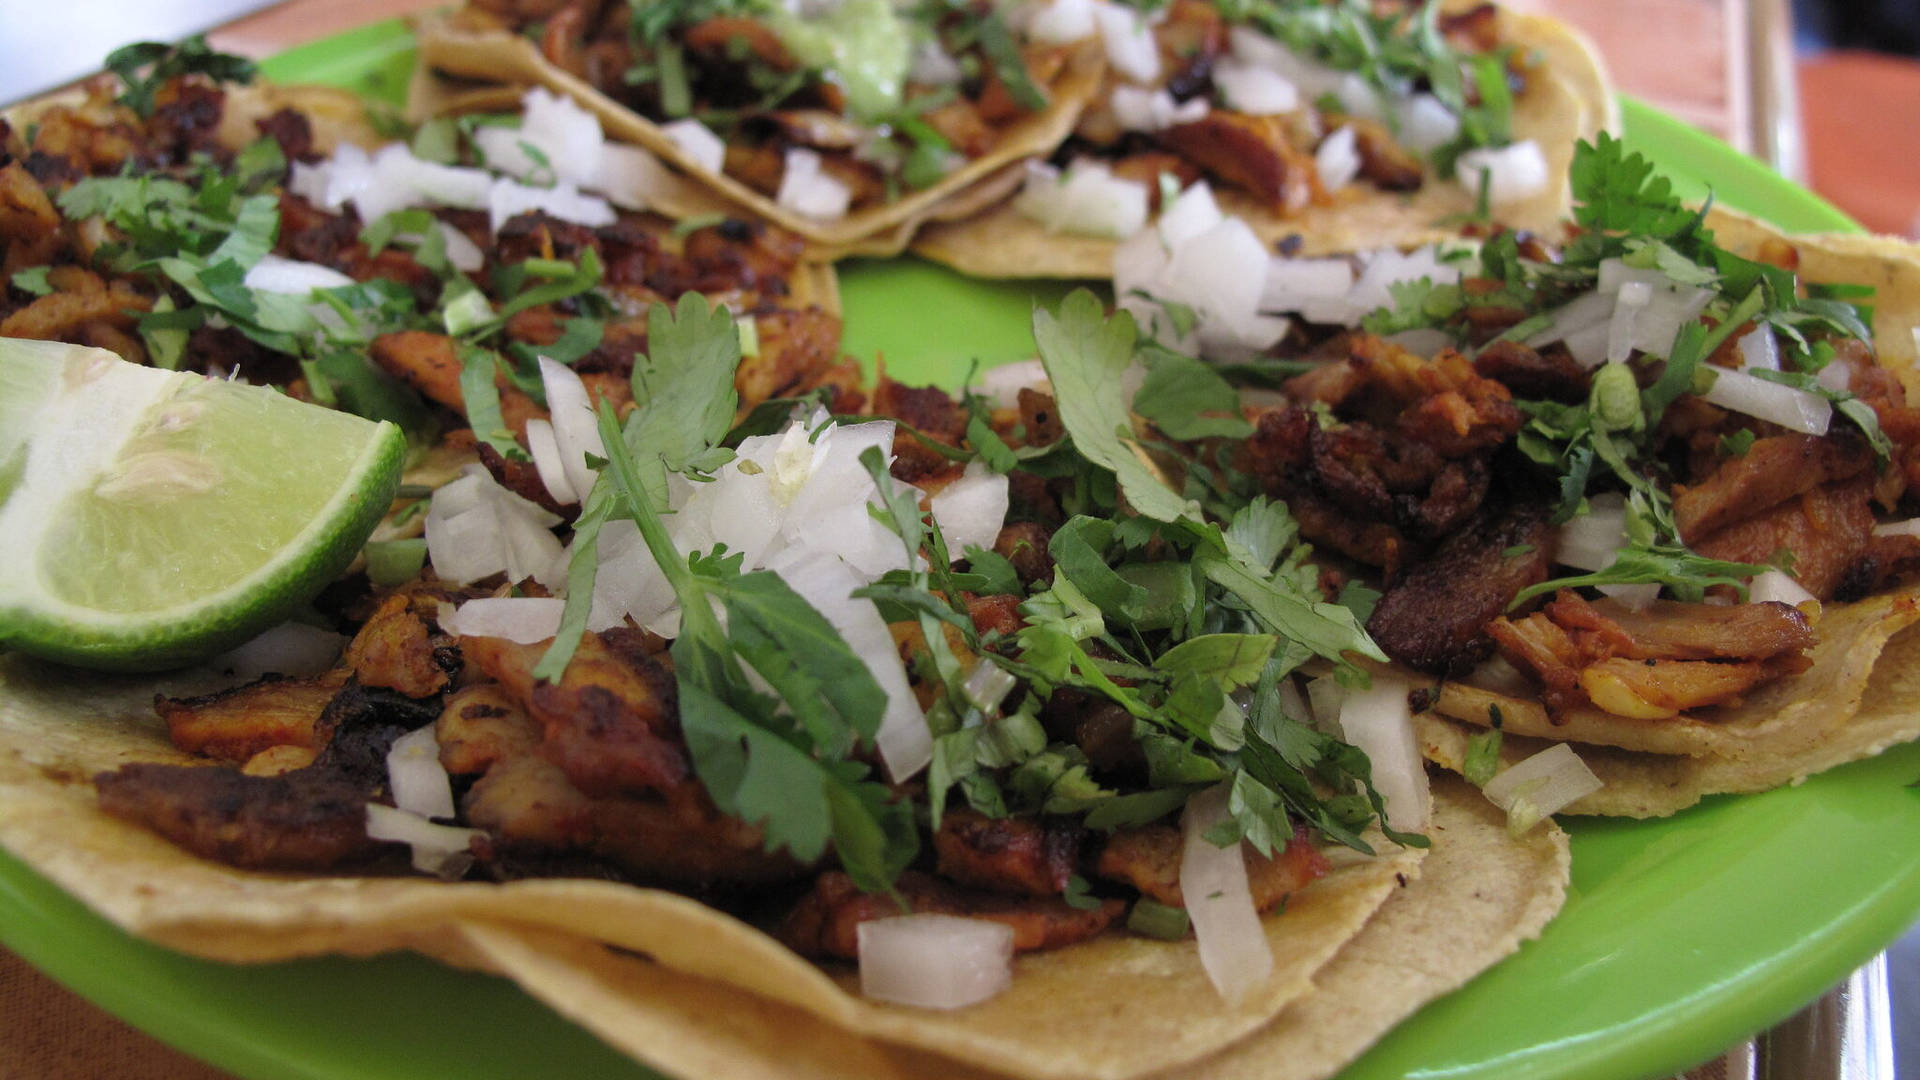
1680, 936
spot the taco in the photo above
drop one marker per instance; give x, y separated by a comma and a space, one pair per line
1265, 104
849, 122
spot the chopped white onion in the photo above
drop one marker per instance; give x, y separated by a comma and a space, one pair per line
1312, 78
1254, 90
1759, 349
1002, 385
1909, 527
576, 433
1379, 721
1837, 376
1540, 786
476, 528
1136, 108
1790, 407
1317, 289
934, 961
442, 850
527, 620
1061, 22
1193, 212
462, 253
547, 462
630, 177
971, 509
1387, 267
415, 776
1088, 200
399, 180
1777, 586
809, 192
566, 134
1131, 48
1337, 159
1425, 124
1628, 303
292, 649
697, 141
1219, 274
508, 199
1593, 540
932, 66
1635, 597
276, 274
1515, 172
1583, 314
1213, 883
987, 685
1358, 97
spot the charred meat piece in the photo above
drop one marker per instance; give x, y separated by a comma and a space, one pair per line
307, 819
395, 650
610, 723
1772, 471
1384, 162
1669, 630
826, 921
1433, 617
234, 725
302, 820
1148, 858
1550, 373
1008, 855
1253, 153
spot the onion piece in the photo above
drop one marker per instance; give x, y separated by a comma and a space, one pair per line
1632, 299
1837, 376
462, 253
932, 66
1540, 786
441, 850
547, 461
415, 776
1002, 385
476, 528
630, 177
1213, 882
1254, 90
1061, 22
293, 649
809, 192
1635, 597
1129, 41
276, 274
1780, 587
972, 509
697, 141
508, 199
527, 620
1513, 173
1088, 199
1759, 349
575, 430
1593, 540
934, 961
1909, 527
987, 685
1425, 124
1790, 407
1337, 159
1379, 721
1136, 108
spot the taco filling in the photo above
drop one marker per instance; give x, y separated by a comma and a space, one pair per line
826, 109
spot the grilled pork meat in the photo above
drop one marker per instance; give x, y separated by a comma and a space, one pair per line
1148, 858
826, 921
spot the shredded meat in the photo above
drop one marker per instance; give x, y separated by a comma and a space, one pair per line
1827, 530
1657, 663
1148, 858
826, 920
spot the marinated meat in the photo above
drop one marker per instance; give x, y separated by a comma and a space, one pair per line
1253, 153
234, 725
1827, 531
1551, 373
1670, 630
1433, 616
302, 820
395, 650
1772, 471
1657, 690
826, 920
1148, 858
1008, 855
610, 723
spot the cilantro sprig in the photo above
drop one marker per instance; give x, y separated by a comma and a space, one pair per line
144, 67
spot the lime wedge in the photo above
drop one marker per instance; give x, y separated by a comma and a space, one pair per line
154, 518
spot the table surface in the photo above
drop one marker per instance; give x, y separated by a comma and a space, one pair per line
1696, 68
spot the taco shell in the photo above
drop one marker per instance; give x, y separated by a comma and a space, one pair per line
498, 56
1567, 99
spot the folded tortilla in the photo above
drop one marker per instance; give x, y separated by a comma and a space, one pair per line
497, 56
1568, 98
